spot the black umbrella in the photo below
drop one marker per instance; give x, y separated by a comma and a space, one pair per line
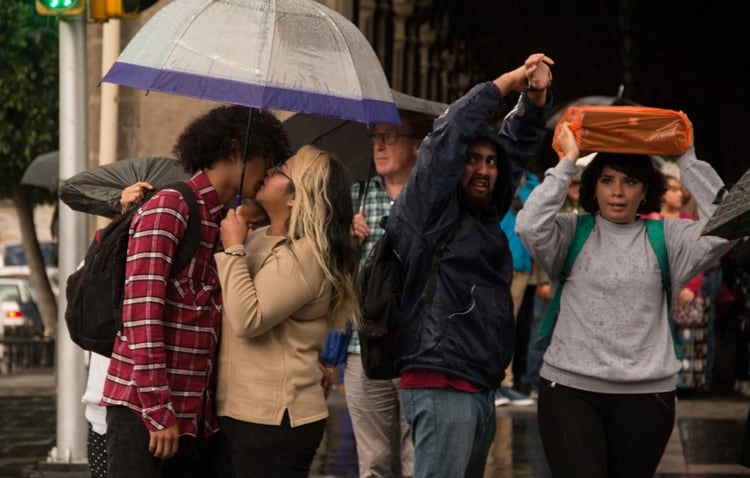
731, 220
43, 171
98, 190
349, 140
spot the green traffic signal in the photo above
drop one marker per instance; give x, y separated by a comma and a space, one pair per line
55, 4
60, 7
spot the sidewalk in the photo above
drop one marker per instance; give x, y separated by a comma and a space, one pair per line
705, 441
30, 383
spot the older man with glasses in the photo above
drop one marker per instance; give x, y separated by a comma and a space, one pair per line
384, 447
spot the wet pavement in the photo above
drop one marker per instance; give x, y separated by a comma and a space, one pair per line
704, 443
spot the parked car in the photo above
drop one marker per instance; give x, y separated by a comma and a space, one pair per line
24, 272
14, 255
20, 314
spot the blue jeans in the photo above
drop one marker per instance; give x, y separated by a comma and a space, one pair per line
537, 344
452, 430
710, 290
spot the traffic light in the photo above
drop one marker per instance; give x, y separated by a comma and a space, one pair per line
60, 7
103, 10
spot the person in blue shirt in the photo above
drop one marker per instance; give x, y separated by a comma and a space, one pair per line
522, 265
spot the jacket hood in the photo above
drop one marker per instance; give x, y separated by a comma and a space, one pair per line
502, 194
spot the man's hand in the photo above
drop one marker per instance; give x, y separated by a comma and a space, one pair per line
538, 72
133, 194
535, 73
360, 230
164, 443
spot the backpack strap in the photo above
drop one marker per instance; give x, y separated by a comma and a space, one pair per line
655, 233
437, 254
190, 241
584, 225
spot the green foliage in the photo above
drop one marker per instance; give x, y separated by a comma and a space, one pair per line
28, 88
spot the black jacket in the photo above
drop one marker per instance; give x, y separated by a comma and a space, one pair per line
468, 330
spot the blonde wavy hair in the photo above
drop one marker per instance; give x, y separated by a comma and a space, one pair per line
322, 214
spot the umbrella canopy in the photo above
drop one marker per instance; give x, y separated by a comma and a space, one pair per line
98, 190
348, 140
293, 55
731, 219
43, 171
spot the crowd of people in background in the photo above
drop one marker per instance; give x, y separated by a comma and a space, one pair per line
221, 369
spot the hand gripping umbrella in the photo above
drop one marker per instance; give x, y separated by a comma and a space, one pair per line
98, 190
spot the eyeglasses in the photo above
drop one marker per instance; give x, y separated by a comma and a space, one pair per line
389, 138
276, 169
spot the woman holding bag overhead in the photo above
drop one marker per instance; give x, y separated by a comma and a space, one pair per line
282, 290
607, 395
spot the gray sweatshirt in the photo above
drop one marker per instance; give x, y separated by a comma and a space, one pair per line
612, 334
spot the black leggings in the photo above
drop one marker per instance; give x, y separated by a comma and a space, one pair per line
272, 451
602, 435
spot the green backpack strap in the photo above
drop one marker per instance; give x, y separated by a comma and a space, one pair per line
584, 225
655, 233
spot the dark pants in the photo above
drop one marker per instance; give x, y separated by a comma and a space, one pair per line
128, 455
272, 451
598, 435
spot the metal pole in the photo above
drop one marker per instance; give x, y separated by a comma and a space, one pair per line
109, 108
70, 367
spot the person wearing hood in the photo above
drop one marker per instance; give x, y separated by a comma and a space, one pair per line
453, 349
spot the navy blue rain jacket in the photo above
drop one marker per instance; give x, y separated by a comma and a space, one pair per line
468, 330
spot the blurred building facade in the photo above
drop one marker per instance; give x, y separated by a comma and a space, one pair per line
659, 54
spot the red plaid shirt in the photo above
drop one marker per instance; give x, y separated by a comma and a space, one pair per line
162, 365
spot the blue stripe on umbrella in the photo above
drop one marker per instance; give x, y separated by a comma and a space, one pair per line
242, 93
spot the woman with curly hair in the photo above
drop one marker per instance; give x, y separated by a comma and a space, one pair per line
283, 288
607, 394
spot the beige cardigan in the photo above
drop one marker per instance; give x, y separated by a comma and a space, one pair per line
274, 325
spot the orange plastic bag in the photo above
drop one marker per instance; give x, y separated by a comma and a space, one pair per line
627, 129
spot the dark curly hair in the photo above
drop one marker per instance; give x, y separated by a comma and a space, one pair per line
210, 138
637, 166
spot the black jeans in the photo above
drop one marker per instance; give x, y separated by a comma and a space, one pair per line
128, 455
272, 451
601, 435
